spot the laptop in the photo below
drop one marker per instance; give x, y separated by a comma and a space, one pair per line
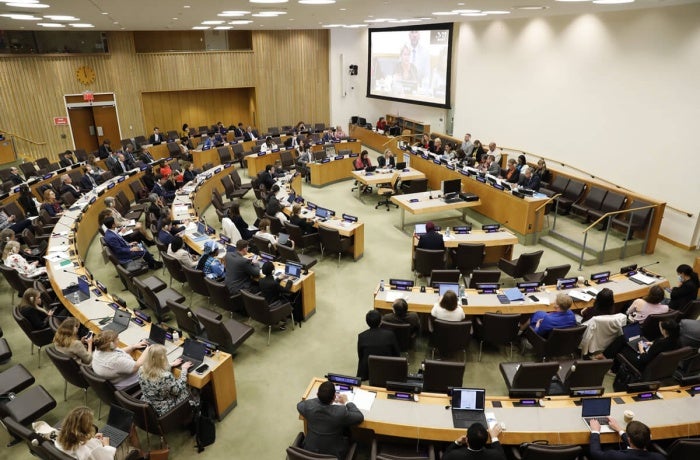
156, 336
118, 426
633, 335
370, 169
598, 409
292, 270
201, 232
120, 321
468, 407
322, 214
420, 229
193, 352
401, 165
444, 287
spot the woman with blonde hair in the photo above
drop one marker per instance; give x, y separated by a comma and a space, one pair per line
159, 387
51, 205
12, 258
78, 437
67, 342
115, 364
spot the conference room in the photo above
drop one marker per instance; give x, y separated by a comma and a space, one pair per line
253, 88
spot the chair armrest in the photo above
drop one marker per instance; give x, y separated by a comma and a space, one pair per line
537, 341
632, 367
505, 264
515, 451
299, 440
351, 452
657, 447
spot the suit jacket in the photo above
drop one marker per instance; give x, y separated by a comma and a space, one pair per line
381, 342
494, 169
382, 161
86, 183
16, 179
239, 272
155, 141
119, 246
117, 168
104, 151
431, 240
65, 188
455, 452
325, 424
597, 453
65, 162
533, 183
266, 179
110, 161
248, 136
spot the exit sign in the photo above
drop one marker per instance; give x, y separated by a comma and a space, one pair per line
60, 121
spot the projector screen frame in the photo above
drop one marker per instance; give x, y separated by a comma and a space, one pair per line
449, 27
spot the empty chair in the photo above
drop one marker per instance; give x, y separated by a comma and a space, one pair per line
681, 449
28, 406
558, 185
21, 433
438, 376
450, 337
5, 351
236, 178
467, 257
497, 329
174, 267
484, 276
15, 379
69, 370
612, 202
386, 191
224, 155
39, 337
270, 315
528, 378
574, 191
195, 279
428, 260
550, 275
290, 255
414, 186
333, 242
535, 451
185, 318
402, 331
524, 265
444, 276
583, 373
262, 244
222, 298
384, 369
593, 200
157, 301
396, 449
634, 220
227, 333
560, 342
297, 452
287, 160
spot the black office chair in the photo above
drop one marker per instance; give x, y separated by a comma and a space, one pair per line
523, 265
497, 329
450, 337
444, 276
387, 368
680, 449
582, 374
484, 276
467, 257
550, 275
536, 451
528, 377
428, 260
438, 376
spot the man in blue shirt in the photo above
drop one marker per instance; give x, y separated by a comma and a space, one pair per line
543, 323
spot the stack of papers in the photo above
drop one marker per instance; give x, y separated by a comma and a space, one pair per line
642, 278
582, 296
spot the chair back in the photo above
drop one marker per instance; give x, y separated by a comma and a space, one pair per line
587, 373
402, 331
287, 159
222, 298
174, 267
295, 234
288, 254
229, 187
438, 376
451, 336
527, 263
275, 224
262, 244
224, 154
484, 276
145, 416
12, 277
39, 337
499, 328
552, 274
444, 276
21, 432
650, 326
574, 190
256, 307
195, 278
613, 202
595, 198
387, 368
417, 186
534, 376
663, 366
469, 256
639, 218
330, 239
185, 318
428, 260
127, 280
691, 310
297, 453
683, 449
564, 341
559, 184
101, 386
216, 331
551, 452
67, 367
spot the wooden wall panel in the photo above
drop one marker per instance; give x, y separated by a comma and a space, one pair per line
287, 71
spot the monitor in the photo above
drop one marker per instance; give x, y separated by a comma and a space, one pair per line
84, 286
453, 186
444, 287
322, 213
401, 165
330, 151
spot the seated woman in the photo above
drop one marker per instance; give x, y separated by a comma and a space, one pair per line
388, 160
511, 173
647, 351
8, 235
401, 315
274, 207
67, 342
79, 439
687, 289
522, 161
305, 225
27, 201
264, 233
159, 387
177, 251
209, 264
30, 307
543, 323
273, 292
234, 213
447, 308
603, 305
116, 364
12, 258
189, 173
381, 124
651, 304
51, 205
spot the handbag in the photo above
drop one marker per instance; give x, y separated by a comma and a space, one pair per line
136, 265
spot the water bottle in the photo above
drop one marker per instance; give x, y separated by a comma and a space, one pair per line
76, 297
176, 336
381, 286
447, 232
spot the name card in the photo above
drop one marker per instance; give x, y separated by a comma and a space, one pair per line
354, 155
451, 167
325, 160
46, 176
260, 154
121, 179
218, 170
349, 218
464, 173
481, 179
111, 185
436, 161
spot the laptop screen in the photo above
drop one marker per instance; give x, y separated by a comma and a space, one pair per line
420, 229
595, 407
193, 349
444, 287
201, 228
121, 317
120, 418
632, 331
322, 213
468, 398
83, 285
157, 334
292, 269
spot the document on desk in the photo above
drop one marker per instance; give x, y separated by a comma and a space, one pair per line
391, 296
59, 248
363, 399
582, 296
641, 278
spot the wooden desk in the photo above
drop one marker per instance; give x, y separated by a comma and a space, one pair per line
354, 230
478, 304
558, 421
498, 244
258, 161
7, 151
332, 171
383, 176
374, 140
425, 202
220, 374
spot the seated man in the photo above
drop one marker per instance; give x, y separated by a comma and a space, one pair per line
240, 270
432, 239
66, 159
401, 315
543, 323
161, 189
635, 441
15, 176
124, 251
68, 187
326, 423
267, 177
473, 445
529, 179
156, 138
374, 341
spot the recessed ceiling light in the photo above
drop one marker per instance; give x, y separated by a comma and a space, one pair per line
343, 9
316, 2
212, 23
223, 28
532, 7
51, 25
465, 11
268, 1
269, 14
232, 14
201, 28
61, 18
21, 17
354, 26
371, 21
612, 2
174, 19
186, 6
239, 22
26, 5
496, 12
82, 25
572, 1
473, 14
403, 21
443, 13
104, 12
332, 26
115, 23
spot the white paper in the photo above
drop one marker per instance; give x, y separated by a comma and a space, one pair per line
642, 278
59, 248
363, 399
578, 295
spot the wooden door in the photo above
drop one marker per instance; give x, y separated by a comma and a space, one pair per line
106, 123
82, 124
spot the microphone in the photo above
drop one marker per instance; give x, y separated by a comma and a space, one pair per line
76, 273
648, 265
100, 319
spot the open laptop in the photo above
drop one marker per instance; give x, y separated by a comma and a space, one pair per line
193, 352
156, 336
468, 407
322, 214
401, 165
598, 409
201, 232
292, 271
420, 229
120, 321
633, 335
444, 287
118, 426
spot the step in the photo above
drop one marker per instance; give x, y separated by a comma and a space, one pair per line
569, 250
573, 241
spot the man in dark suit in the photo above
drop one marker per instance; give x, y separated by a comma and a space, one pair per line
240, 270
160, 190
68, 187
529, 179
15, 177
432, 239
105, 149
267, 177
156, 138
120, 166
66, 159
273, 204
635, 441
374, 341
146, 157
124, 251
473, 445
90, 180
249, 134
239, 131
129, 155
112, 160
326, 422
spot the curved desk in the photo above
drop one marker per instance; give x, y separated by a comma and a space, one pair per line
558, 420
498, 244
62, 273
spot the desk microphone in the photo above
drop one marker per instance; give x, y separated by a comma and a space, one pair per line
647, 265
75, 273
101, 318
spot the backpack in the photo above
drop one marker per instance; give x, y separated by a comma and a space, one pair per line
205, 428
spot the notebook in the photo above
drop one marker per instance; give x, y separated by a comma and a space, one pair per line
193, 352
468, 407
120, 321
598, 409
514, 294
156, 335
118, 426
